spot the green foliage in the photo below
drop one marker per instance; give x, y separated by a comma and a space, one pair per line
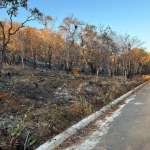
37, 14
87, 108
2, 144
80, 109
104, 99
16, 130
13, 6
16, 80
56, 83
30, 142
3, 127
1, 85
54, 113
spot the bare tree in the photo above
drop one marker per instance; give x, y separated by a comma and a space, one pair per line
12, 7
128, 43
69, 27
23, 39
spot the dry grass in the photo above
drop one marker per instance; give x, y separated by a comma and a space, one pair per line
31, 92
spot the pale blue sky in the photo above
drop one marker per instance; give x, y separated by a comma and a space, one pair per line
131, 16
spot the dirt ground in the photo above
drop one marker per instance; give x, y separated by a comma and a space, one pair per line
36, 105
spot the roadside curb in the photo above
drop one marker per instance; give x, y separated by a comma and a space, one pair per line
58, 139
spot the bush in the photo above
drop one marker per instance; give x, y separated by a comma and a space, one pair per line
56, 83
80, 109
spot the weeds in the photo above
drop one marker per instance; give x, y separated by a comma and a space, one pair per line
1, 85
47, 120
16, 131
56, 83
54, 113
16, 80
80, 109
105, 100
13, 133
28, 142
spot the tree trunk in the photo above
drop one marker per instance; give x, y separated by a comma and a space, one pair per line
34, 61
49, 64
67, 67
22, 59
91, 67
2, 55
97, 74
1, 59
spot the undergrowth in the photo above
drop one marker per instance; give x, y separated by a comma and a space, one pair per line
45, 120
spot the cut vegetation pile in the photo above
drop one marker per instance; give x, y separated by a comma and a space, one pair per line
36, 105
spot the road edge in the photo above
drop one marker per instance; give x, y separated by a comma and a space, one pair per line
58, 139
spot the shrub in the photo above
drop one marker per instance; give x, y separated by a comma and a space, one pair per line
80, 109
56, 83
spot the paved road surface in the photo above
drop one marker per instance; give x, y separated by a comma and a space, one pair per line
129, 130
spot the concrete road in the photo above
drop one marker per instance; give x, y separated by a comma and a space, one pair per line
131, 129
127, 129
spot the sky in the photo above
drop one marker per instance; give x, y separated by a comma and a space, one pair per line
123, 16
